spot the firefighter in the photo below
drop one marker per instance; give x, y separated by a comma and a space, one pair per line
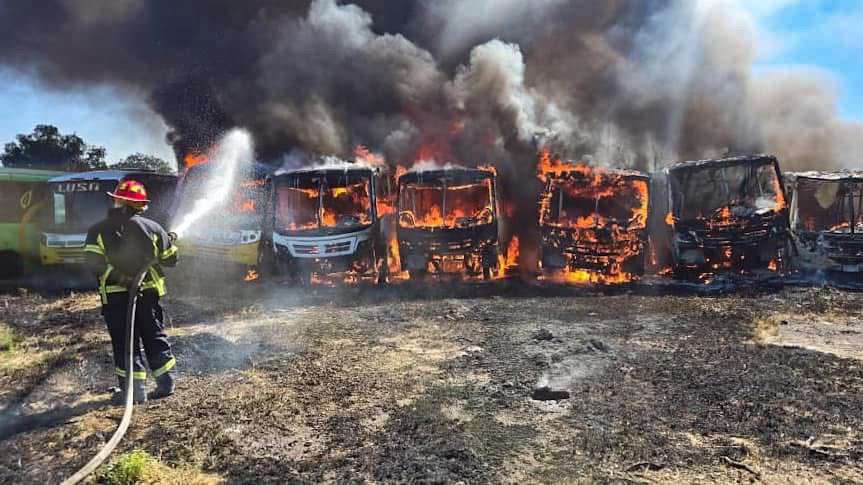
117, 249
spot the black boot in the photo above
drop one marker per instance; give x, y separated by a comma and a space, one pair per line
164, 386
139, 392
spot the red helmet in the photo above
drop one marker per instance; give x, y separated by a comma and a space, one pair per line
131, 191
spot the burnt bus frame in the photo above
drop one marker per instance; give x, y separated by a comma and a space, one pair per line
482, 241
276, 257
671, 242
824, 250
570, 254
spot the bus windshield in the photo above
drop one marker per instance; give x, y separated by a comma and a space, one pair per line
830, 205
704, 192
79, 205
238, 210
316, 201
440, 204
583, 204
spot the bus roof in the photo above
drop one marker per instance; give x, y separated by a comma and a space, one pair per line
258, 170
328, 169
461, 173
27, 174
107, 175
695, 165
837, 176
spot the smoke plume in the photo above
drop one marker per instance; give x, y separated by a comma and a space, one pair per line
630, 83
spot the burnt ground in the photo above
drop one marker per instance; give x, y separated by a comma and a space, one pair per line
410, 384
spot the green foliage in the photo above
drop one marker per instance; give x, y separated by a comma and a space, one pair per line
140, 161
7, 339
47, 149
129, 468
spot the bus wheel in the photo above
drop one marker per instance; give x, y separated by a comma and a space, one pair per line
11, 265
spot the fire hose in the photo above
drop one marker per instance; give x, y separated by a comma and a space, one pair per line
106, 450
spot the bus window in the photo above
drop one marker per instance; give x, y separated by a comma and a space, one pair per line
59, 209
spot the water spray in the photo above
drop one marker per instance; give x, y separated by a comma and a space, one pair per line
234, 150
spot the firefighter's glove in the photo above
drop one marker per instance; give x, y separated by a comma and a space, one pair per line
173, 236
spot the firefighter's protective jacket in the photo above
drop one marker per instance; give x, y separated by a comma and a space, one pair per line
124, 244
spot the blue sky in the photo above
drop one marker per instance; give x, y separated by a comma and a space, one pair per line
822, 34
815, 34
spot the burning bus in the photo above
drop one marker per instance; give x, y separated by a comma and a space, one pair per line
328, 220
229, 239
721, 216
593, 223
80, 200
448, 222
827, 222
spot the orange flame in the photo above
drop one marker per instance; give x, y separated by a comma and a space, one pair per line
589, 189
512, 253
191, 159
364, 155
251, 275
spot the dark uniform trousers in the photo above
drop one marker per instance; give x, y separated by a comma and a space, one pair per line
149, 333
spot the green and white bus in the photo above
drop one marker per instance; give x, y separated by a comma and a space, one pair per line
24, 205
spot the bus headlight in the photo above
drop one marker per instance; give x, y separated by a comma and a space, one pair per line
51, 240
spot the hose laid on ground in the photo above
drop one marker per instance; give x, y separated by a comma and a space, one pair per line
106, 450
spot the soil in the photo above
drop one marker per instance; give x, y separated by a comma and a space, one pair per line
413, 384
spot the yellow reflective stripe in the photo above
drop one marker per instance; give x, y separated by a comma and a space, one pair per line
139, 374
102, 280
100, 243
165, 368
172, 250
157, 281
155, 240
115, 289
93, 248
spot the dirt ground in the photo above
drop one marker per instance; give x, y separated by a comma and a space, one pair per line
416, 385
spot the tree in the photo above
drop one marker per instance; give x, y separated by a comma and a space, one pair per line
46, 148
140, 161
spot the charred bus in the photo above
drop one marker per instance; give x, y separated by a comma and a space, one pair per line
227, 240
80, 200
24, 200
721, 216
827, 223
328, 220
448, 222
593, 223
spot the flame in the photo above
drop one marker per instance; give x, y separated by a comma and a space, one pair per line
488, 168
251, 275
475, 209
773, 266
512, 253
601, 210
585, 277
366, 156
669, 219
191, 159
